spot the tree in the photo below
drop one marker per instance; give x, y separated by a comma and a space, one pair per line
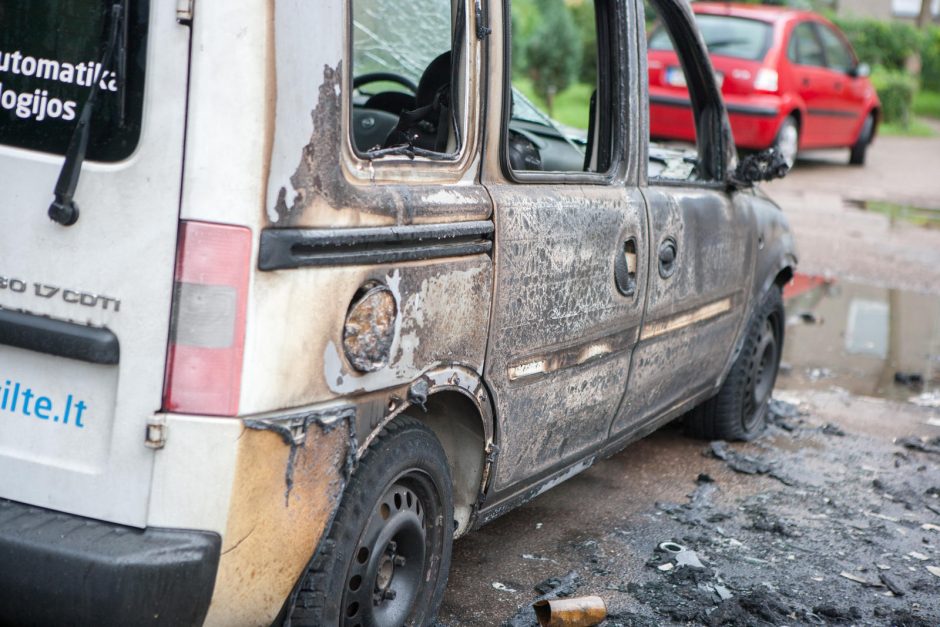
583, 15
553, 53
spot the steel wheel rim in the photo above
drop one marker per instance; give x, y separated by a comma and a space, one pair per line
387, 567
762, 375
788, 142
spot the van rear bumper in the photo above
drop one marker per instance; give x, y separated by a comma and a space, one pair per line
57, 568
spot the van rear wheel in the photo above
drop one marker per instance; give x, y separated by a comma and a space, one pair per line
387, 555
739, 410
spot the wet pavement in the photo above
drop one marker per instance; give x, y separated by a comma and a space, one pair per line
873, 341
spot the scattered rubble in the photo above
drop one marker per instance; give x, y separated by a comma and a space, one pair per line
746, 464
851, 537
749, 581
909, 379
923, 444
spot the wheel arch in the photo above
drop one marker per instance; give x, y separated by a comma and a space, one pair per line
454, 403
798, 116
458, 425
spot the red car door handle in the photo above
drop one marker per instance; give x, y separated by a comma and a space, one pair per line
838, 86
805, 82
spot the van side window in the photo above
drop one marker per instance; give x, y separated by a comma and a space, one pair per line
407, 86
560, 99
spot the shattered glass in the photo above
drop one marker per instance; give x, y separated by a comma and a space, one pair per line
389, 36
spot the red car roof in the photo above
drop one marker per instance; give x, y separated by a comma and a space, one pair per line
761, 12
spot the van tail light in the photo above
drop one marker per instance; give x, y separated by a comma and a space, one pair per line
767, 80
207, 327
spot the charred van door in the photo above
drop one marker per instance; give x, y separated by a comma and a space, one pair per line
700, 254
571, 249
85, 308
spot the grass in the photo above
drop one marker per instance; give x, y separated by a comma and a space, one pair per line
572, 106
927, 104
929, 218
916, 128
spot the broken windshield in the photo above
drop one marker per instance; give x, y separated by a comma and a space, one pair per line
50, 55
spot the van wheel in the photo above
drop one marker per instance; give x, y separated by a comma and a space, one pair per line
860, 148
788, 140
739, 410
386, 558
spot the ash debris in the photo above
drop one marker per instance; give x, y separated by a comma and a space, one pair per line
848, 534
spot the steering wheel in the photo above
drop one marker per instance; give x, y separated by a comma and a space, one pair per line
384, 77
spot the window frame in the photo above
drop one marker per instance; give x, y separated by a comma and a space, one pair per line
612, 77
416, 168
712, 128
846, 48
791, 45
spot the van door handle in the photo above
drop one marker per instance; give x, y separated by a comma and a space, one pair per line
838, 86
625, 268
805, 82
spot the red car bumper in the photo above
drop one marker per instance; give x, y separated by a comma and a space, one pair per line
754, 119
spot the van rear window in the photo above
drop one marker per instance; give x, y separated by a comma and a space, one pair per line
50, 55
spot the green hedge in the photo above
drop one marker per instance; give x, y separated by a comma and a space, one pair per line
896, 90
930, 59
889, 44
881, 43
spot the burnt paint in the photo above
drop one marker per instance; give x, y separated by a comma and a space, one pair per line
293, 432
716, 241
321, 187
555, 289
268, 542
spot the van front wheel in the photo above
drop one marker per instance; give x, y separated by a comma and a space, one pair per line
739, 410
387, 555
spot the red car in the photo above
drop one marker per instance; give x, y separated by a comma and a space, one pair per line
789, 79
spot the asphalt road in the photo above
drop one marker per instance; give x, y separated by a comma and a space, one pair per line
825, 520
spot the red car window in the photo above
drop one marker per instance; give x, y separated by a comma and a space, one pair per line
805, 47
724, 35
838, 56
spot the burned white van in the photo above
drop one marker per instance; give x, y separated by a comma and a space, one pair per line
294, 293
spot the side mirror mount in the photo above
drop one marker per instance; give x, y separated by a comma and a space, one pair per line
761, 166
862, 70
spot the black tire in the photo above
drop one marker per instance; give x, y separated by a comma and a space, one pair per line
860, 148
392, 532
739, 410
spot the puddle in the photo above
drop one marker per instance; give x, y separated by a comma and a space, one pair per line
919, 216
868, 340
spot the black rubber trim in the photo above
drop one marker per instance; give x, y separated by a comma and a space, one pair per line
282, 249
95, 345
58, 569
669, 101
831, 113
762, 112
